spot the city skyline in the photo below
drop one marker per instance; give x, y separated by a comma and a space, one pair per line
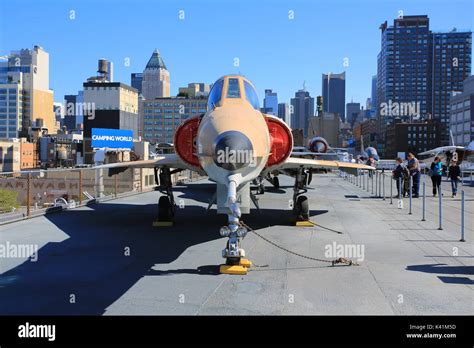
203, 55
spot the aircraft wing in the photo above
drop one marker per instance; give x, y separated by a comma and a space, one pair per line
309, 153
299, 148
294, 163
441, 149
170, 161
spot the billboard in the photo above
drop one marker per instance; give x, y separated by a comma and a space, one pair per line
112, 138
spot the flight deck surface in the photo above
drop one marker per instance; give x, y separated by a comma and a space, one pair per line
107, 259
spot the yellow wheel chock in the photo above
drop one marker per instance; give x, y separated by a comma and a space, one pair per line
305, 223
240, 269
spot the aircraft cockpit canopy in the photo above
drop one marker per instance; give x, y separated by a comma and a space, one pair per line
232, 88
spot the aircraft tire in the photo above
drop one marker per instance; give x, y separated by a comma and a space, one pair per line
302, 206
276, 182
165, 210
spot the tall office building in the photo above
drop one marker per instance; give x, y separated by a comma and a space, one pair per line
352, 112
115, 106
334, 93
284, 112
73, 111
270, 102
417, 71
373, 97
451, 61
302, 108
25, 98
156, 78
136, 81
462, 114
58, 109
162, 116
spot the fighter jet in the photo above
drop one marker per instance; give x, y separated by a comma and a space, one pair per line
463, 155
234, 143
318, 148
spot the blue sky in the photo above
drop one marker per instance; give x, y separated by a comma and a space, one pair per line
274, 51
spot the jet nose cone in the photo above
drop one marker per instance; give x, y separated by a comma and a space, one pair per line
233, 151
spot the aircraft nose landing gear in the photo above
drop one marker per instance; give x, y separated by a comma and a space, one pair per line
233, 253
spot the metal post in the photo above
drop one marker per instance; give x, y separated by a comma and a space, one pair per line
28, 195
400, 188
440, 208
99, 183
383, 186
462, 217
372, 182
363, 182
80, 186
424, 201
376, 183
411, 194
391, 191
380, 186
115, 185
379, 194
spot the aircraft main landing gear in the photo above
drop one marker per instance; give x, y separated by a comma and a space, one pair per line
300, 201
166, 204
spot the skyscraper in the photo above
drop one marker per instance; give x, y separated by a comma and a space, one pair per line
136, 81
417, 70
162, 116
334, 93
284, 112
462, 114
73, 115
352, 112
302, 108
451, 61
270, 102
373, 97
25, 98
156, 78
107, 105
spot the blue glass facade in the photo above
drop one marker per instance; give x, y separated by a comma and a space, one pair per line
334, 94
302, 108
270, 102
451, 61
414, 67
